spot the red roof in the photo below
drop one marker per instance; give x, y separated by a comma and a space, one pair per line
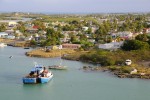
35, 27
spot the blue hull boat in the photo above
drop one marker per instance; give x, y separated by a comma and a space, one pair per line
46, 78
27, 80
38, 75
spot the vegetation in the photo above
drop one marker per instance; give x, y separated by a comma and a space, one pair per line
107, 58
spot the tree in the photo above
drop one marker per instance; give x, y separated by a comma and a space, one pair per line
33, 42
142, 37
135, 45
2, 27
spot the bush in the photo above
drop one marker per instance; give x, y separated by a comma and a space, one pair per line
126, 69
135, 45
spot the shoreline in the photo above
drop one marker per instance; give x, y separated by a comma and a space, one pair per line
143, 67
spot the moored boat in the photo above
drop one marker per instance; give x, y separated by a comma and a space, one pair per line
38, 74
57, 67
45, 79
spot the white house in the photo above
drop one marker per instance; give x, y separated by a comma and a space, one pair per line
125, 34
110, 46
85, 28
10, 37
12, 23
3, 34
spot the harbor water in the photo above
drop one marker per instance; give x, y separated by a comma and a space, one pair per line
71, 84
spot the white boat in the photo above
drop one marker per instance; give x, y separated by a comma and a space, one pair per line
57, 67
128, 62
3, 45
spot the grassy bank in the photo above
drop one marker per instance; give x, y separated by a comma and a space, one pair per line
41, 52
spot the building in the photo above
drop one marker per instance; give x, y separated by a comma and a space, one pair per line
3, 34
71, 46
111, 46
146, 30
12, 23
85, 28
10, 31
125, 35
32, 30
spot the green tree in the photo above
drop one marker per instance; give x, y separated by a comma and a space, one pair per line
142, 37
2, 27
135, 45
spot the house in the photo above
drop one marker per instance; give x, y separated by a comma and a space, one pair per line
28, 38
12, 23
32, 30
85, 28
3, 34
91, 40
10, 37
55, 47
110, 46
125, 35
146, 30
46, 25
10, 31
71, 46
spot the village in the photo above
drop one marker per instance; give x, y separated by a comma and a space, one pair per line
104, 39
104, 31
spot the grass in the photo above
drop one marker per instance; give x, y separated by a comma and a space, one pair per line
52, 53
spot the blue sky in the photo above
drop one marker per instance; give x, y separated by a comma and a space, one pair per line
75, 6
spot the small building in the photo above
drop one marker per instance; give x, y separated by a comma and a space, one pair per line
110, 46
32, 30
12, 23
3, 34
71, 46
10, 37
125, 35
11, 31
85, 28
146, 30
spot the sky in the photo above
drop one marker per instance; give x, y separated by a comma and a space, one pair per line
75, 6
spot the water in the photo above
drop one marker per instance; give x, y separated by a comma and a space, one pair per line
73, 84
22, 19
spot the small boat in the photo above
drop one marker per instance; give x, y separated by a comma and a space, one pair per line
128, 62
57, 67
38, 74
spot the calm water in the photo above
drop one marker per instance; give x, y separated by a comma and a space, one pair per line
73, 84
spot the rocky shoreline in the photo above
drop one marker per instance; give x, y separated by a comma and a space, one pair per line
117, 73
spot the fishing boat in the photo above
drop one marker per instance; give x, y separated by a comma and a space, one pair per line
58, 67
38, 74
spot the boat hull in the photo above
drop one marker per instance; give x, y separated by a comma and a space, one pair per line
57, 67
45, 79
29, 80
